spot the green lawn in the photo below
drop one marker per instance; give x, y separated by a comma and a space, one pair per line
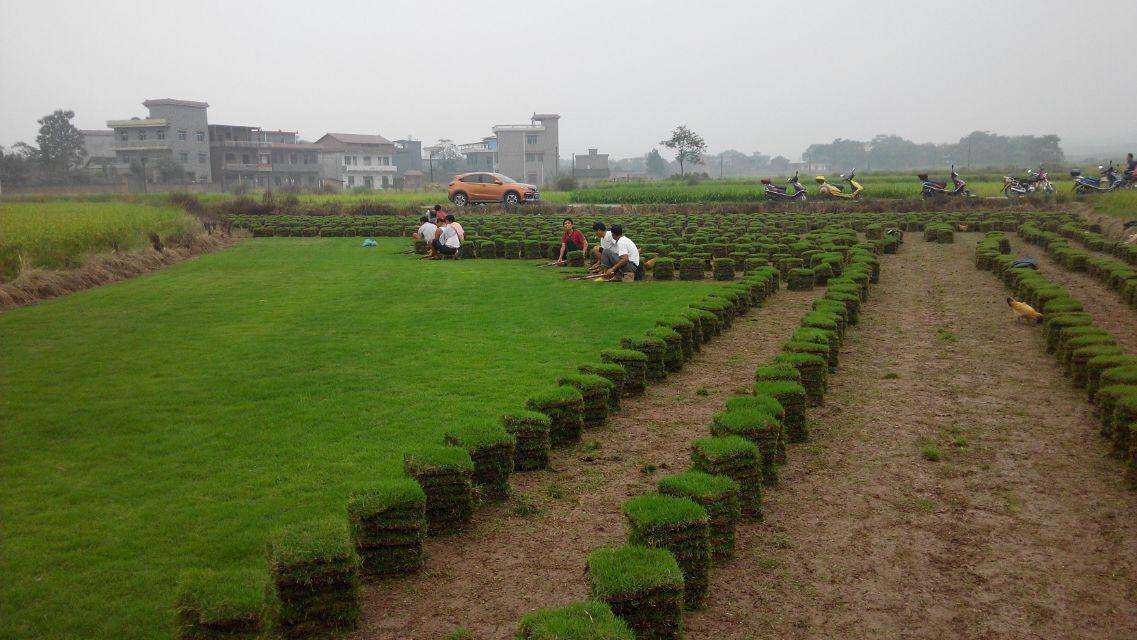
173, 420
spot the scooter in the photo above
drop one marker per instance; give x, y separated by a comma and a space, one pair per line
1108, 181
1016, 187
934, 188
832, 191
775, 192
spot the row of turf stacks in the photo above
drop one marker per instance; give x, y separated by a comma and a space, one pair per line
534, 236
1115, 274
1090, 355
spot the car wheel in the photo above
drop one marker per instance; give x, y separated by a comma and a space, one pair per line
460, 199
512, 199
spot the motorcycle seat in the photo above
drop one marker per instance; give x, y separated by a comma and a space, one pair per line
938, 185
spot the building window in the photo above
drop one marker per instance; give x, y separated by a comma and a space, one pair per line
350, 160
367, 160
292, 159
369, 182
244, 158
531, 138
141, 135
184, 157
201, 158
181, 134
278, 181
122, 136
386, 181
351, 181
385, 161
199, 136
161, 134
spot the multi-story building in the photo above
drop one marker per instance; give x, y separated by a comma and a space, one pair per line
590, 166
176, 130
251, 156
357, 160
529, 152
480, 156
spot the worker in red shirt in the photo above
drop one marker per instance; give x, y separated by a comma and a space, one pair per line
571, 240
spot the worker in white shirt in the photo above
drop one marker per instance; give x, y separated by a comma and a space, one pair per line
606, 244
623, 261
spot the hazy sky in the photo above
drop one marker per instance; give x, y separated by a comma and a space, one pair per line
749, 75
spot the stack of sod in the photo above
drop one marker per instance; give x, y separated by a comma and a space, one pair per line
749, 420
707, 325
664, 269
565, 407
799, 279
226, 605
615, 374
420, 247
691, 269
575, 258
674, 355
825, 337
1079, 356
596, 391
656, 352
643, 586
682, 527
792, 396
718, 495
634, 363
723, 269
580, 621
1099, 364
686, 329
813, 372
738, 459
315, 575
446, 475
814, 348
388, 524
723, 310
492, 450
530, 430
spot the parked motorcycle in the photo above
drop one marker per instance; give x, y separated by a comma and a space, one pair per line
780, 193
831, 191
1014, 187
935, 188
1109, 181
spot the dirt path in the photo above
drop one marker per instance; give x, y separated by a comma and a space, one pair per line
1109, 312
511, 562
1023, 529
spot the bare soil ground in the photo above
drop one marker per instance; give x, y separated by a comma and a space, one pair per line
1109, 312
1023, 528
530, 552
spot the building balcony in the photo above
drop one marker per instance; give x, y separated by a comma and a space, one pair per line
285, 167
239, 144
377, 169
140, 145
239, 166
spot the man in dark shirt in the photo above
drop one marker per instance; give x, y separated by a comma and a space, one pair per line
1130, 167
571, 240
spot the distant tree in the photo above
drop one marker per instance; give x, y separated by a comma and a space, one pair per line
780, 164
446, 158
17, 165
60, 144
688, 146
656, 165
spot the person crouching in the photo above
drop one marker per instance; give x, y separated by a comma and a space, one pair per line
622, 262
446, 241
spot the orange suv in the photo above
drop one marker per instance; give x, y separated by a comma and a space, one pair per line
490, 187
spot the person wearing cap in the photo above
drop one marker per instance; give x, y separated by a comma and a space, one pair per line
606, 244
571, 240
622, 260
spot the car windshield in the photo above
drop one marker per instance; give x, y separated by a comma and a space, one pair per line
504, 178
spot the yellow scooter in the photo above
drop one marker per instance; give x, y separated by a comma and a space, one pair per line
832, 191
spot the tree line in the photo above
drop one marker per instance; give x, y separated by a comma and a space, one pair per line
979, 149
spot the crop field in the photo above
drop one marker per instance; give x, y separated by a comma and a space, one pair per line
802, 422
59, 235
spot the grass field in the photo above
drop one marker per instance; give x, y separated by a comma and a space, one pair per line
58, 235
174, 420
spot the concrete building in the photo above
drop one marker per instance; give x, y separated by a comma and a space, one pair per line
408, 163
100, 154
529, 152
251, 156
177, 130
480, 156
590, 166
357, 160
